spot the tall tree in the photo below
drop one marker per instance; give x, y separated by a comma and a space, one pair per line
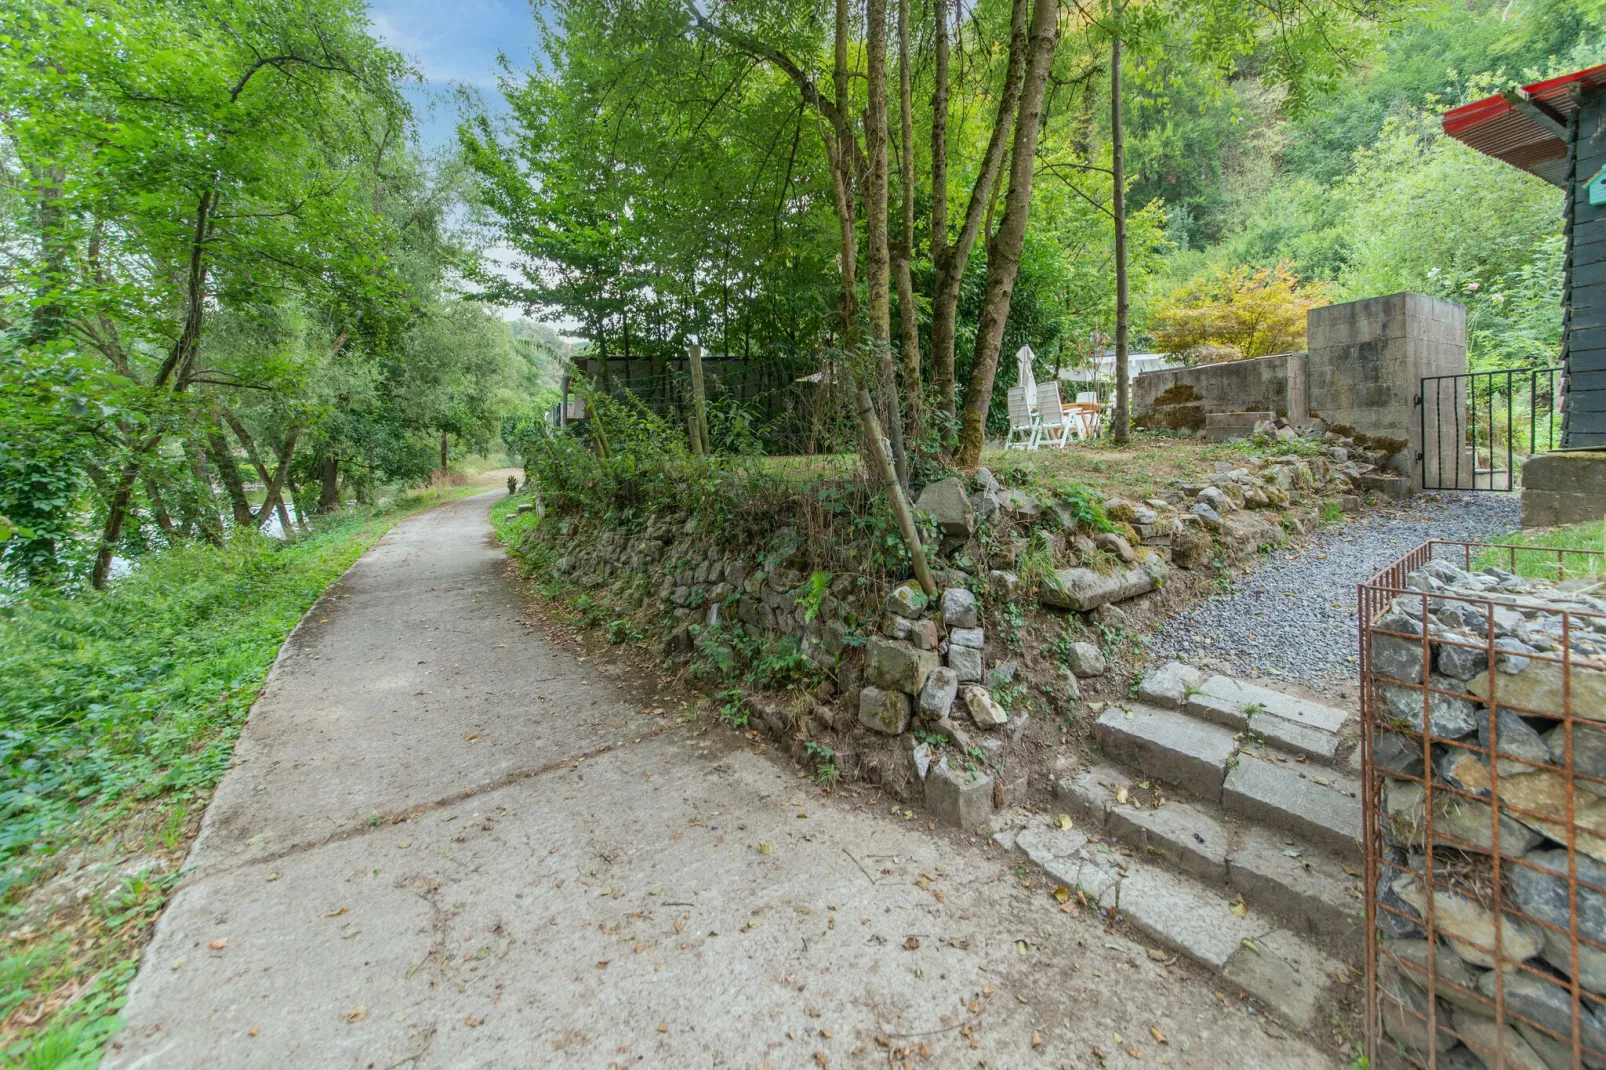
1004, 250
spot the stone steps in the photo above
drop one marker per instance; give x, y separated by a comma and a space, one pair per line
1257, 951
1261, 812
1311, 891
1247, 777
1295, 725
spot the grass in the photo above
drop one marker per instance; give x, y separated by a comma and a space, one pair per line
1576, 547
118, 718
1154, 462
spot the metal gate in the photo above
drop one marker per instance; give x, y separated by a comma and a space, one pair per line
1478, 427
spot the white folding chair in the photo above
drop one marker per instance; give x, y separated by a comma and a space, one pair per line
1024, 429
1056, 429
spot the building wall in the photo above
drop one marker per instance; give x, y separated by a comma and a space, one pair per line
1584, 294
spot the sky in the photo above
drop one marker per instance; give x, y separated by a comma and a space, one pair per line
455, 43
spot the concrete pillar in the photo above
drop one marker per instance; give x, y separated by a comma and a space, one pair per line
1366, 365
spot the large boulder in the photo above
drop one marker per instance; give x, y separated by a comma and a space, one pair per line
965, 661
882, 711
959, 608
1469, 925
1085, 659
907, 600
1084, 589
986, 712
948, 506
897, 666
937, 696
1543, 895
1538, 688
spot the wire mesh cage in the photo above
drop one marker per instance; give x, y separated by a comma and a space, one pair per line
1483, 750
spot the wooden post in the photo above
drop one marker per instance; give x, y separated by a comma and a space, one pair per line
882, 462
699, 416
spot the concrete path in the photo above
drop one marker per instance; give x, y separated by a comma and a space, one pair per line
450, 842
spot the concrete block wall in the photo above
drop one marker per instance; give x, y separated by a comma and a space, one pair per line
1274, 384
1366, 363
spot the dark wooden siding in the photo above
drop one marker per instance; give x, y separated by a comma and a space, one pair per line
1584, 288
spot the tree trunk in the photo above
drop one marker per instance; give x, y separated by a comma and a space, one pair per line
444, 457
206, 516
841, 159
1004, 251
878, 273
329, 499
908, 324
881, 464
950, 265
164, 519
942, 359
229, 472
116, 514
1122, 423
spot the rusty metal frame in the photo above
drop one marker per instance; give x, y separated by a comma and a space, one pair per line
1375, 598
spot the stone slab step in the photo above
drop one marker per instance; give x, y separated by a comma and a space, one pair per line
1234, 703
1296, 725
1168, 746
1321, 806
1309, 890
1288, 974
1296, 738
1178, 834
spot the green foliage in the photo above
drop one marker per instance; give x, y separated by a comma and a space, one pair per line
1574, 550
1364, 191
824, 758
126, 700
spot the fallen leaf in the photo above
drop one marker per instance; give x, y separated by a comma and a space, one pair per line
1239, 907
1250, 944
255, 1030
357, 1015
1063, 821
811, 1010
219, 945
912, 944
472, 1022
603, 965
335, 913
1135, 1053
1062, 893
663, 1027
1120, 796
1159, 1037
766, 848
1037, 1039
822, 1059
1020, 947
347, 934
472, 737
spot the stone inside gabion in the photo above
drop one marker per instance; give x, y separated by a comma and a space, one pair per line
1548, 645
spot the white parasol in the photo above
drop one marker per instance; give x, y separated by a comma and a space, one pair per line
1023, 362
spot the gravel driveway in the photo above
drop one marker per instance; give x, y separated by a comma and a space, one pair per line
1293, 618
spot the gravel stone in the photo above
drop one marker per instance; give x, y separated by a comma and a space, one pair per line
1294, 616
